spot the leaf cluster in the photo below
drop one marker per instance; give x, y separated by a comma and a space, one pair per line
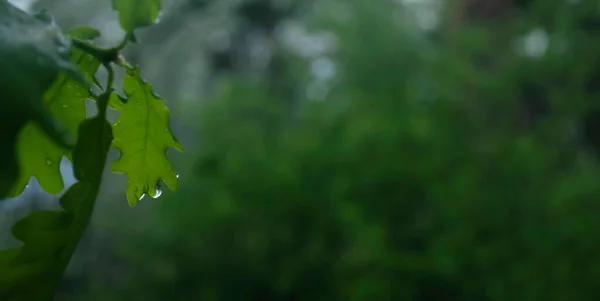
46, 75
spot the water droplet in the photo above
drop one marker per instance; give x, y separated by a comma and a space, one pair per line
48, 162
177, 175
157, 191
26, 186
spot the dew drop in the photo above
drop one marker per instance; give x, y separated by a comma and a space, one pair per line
48, 162
157, 191
177, 175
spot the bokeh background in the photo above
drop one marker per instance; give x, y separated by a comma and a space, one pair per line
355, 150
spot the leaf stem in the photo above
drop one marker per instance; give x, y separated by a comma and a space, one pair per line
104, 55
123, 43
111, 76
102, 100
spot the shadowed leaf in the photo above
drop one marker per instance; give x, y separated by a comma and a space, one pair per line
33, 52
50, 237
38, 155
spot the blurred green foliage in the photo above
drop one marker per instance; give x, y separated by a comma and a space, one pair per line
415, 179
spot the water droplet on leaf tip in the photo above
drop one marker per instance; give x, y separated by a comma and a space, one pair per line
157, 191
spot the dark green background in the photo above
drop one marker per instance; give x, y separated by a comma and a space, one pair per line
442, 165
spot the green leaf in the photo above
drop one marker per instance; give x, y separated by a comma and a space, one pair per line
50, 237
143, 136
134, 14
33, 52
83, 32
38, 155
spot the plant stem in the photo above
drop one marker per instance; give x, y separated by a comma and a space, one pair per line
104, 55
102, 100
